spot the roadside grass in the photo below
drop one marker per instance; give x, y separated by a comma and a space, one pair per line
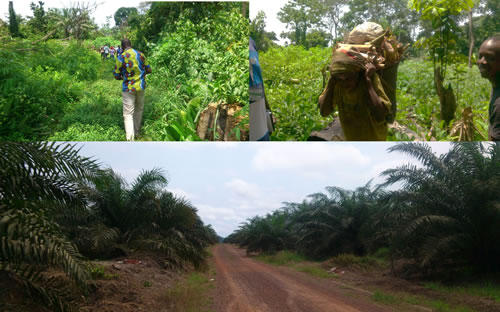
488, 289
98, 272
192, 293
402, 299
314, 271
283, 257
295, 261
363, 263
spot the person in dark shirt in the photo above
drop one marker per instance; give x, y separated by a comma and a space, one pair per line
489, 66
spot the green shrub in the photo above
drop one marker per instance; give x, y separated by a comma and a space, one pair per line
294, 104
283, 257
102, 41
83, 132
353, 261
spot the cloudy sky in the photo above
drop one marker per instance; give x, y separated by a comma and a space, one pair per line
271, 9
230, 182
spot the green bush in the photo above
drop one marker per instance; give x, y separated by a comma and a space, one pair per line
102, 41
293, 83
214, 51
194, 66
82, 132
418, 103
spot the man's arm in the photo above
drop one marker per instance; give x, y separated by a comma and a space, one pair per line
325, 101
117, 73
495, 121
377, 107
147, 67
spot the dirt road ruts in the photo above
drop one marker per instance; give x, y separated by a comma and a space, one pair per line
246, 285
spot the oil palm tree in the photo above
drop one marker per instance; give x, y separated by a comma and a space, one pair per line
142, 215
449, 208
266, 234
37, 184
336, 222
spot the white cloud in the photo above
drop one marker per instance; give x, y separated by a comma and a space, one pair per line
182, 193
129, 174
243, 189
310, 159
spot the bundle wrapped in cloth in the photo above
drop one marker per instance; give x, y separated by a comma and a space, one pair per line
378, 46
367, 43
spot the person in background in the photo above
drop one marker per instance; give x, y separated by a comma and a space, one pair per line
103, 56
106, 51
260, 119
489, 66
112, 52
131, 67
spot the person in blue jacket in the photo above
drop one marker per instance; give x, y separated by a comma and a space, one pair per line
260, 115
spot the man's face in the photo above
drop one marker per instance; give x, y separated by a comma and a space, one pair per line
489, 59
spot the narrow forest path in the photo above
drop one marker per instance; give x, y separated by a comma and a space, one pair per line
244, 284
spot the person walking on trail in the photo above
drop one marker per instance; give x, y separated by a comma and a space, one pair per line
103, 56
112, 52
355, 89
131, 67
106, 51
489, 66
261, 124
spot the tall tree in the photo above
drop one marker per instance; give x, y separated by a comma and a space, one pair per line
441, 44
122, 15
263, 39
39, 20
13, 22
389, 13
332, 13
76, 21
448, 207
300, 16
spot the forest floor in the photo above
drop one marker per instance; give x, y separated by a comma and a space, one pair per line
131, 285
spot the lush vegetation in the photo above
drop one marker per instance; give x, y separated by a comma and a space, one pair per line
444, 43
294, 81
59, 209
440, 218
54, 85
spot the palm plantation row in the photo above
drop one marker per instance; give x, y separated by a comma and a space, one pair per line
59, 209
437, 218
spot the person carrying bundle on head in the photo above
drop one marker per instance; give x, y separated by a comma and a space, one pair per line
356, 89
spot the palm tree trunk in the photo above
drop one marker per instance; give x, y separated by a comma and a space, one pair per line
471, 38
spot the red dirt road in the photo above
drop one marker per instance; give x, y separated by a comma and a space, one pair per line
246, 285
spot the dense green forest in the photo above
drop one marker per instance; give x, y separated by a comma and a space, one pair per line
440, 34
58, 210
438, 218
54, 85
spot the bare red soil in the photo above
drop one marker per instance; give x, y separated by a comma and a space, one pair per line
244, 284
